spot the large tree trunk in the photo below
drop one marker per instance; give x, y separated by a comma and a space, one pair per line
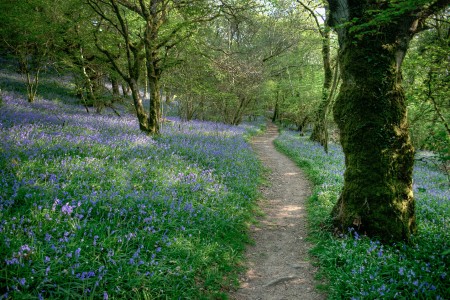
155, 105
139, 107
152, 65
115, 87
377, 197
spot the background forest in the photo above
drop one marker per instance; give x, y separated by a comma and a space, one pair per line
77, 81
216, 62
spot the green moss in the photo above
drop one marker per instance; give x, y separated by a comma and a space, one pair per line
371, 115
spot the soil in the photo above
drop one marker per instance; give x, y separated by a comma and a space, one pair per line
278, 264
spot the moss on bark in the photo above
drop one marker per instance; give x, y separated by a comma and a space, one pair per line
377, 197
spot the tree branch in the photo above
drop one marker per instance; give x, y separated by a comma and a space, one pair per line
131, 6
313, 14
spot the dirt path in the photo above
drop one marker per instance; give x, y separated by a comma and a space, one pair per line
278, 263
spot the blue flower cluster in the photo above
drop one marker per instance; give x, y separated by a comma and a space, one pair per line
92, 207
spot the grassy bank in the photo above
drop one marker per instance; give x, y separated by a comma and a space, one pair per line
91, 208
357, 267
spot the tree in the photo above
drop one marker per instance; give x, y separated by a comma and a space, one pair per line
292, 61
27, 32
115, 22
232, 51
150, 30
370, 110
192, 83
320, 130
224, 64
428, 91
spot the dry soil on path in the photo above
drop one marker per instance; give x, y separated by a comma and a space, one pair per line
278, 265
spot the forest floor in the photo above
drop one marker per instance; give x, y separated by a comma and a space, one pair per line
278, 264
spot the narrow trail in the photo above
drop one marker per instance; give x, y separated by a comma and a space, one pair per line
278, 266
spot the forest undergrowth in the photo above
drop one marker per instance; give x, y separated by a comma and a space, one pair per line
92, 208
356, 267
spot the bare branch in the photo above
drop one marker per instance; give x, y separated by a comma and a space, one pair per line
433, 101
131, 6
313, 14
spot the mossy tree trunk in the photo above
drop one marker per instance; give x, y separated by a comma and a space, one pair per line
153, 69
155, 105
139, 106
370, 111
115, 87
377, 197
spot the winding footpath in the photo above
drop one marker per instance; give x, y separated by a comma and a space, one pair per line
278, 266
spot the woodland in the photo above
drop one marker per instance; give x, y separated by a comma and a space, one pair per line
126, 170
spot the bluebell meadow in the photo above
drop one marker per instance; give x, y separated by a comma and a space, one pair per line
92, 208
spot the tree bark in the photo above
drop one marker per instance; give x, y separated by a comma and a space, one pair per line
125, 90
155, 94
115, 87
30, 69
155, 16
138, 106
276, 116
320, 130
370, 110
302, 125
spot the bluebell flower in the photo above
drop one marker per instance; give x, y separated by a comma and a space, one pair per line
67, 209
22, 281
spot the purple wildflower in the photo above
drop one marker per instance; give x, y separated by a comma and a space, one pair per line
380, 253
85, 275
48, 237
25, 248
55, 203
67, 209
12, 261
22, 281
95, 240
77, 252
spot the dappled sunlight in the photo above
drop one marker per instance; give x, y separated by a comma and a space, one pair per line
290, 174
288, 214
